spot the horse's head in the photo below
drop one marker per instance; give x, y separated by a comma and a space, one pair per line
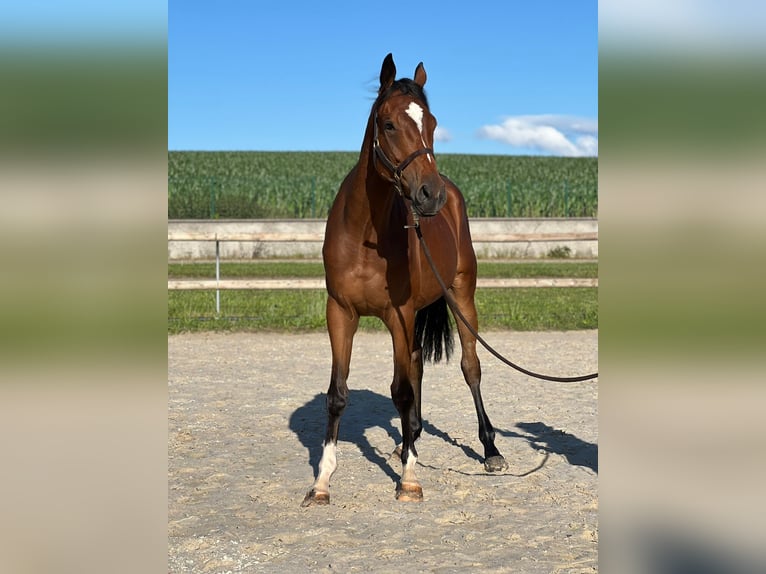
403, 136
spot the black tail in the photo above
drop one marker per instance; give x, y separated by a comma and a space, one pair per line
433, 330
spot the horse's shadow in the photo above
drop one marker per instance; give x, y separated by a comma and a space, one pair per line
541, 436
365, 409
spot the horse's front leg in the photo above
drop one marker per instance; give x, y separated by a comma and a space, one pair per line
341, 326
463, 291
405, 392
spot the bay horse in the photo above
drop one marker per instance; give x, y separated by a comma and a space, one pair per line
374, 267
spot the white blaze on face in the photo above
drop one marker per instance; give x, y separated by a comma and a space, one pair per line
416, 113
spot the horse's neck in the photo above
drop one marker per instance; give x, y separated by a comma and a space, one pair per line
372, 198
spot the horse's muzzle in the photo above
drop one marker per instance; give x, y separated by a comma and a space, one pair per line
427, 200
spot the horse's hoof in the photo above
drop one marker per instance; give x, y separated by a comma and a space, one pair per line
314, 498
495, 464
409, 492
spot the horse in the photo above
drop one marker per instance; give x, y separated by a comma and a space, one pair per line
374, 267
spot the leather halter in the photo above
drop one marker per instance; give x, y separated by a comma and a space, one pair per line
396, 170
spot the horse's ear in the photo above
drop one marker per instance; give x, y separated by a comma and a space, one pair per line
387, 73
420, 75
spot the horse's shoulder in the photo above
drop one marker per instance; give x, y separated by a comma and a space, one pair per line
447, 181
451, 187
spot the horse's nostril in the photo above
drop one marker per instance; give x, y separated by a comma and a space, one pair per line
424, 192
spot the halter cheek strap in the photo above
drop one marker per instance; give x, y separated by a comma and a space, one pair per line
396, 170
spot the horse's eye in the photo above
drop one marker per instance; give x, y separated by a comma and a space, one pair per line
389, 126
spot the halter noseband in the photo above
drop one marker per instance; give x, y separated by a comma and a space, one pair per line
396, 170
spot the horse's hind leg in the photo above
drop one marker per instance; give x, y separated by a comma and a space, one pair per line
341, 327
469, 363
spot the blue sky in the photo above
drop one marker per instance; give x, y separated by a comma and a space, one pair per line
504, 77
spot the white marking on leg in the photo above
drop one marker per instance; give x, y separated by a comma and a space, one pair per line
327, 466
416, 113
408, 473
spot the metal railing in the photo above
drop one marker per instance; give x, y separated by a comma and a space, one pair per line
217, 233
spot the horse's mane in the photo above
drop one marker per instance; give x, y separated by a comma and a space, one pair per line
405, 86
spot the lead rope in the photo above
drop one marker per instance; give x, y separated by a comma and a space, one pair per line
456, 311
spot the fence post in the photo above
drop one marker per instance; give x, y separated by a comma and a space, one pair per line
217, 276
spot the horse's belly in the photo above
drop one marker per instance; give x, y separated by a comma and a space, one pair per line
430, 290
445, 260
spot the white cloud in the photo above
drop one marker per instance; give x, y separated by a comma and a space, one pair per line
555, 134
588, 145
442, 135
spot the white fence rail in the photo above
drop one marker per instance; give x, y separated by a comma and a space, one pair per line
253, 239
490, 282
491, 238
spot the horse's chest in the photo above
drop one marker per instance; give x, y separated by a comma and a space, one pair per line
392, 271
404, 281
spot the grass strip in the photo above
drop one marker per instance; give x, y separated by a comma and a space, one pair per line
534, 309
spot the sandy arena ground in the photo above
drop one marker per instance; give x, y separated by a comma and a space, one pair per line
246, 420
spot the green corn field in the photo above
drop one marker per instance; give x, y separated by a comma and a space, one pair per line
264, 185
